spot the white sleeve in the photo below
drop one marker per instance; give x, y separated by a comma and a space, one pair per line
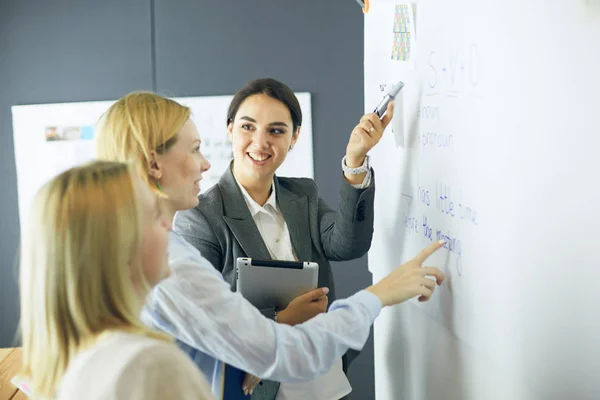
162, 372
198, 307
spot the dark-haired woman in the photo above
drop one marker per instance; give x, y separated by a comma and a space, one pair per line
253, 213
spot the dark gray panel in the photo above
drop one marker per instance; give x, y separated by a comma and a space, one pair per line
213, 47
54, 52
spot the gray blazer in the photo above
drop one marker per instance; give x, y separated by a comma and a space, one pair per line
222, 228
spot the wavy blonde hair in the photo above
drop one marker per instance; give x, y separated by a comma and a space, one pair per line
75, 269
135, 126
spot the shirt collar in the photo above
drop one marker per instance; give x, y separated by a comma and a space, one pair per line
253, 206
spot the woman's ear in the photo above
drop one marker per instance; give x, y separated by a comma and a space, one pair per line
230, 132
295, 138
154, 168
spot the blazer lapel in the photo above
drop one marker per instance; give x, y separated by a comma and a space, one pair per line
295, 212
238, 219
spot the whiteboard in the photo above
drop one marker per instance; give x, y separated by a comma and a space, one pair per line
50, 138
493, 147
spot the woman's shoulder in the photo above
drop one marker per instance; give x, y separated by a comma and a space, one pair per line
109, 358
126, 362
118, 349
300, 186
151, 353
165, 372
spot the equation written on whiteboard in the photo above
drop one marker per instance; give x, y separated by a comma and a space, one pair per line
451, 74
453, 71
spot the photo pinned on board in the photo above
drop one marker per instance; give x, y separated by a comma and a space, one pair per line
67, 133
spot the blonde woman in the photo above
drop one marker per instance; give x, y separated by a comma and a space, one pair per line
195, 304
88, 262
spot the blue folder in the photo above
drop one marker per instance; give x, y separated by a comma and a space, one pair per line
232, 379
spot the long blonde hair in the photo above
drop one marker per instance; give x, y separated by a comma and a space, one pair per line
136, 125
75, 270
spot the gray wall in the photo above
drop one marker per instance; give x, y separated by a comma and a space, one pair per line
67, 51
90, 50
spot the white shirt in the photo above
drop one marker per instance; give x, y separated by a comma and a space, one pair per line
125, 366
214, 325
332, 385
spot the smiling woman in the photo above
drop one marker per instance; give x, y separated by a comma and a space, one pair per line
262, 129
158, 135
253, 213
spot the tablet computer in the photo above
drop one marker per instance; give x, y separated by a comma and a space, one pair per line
274, 283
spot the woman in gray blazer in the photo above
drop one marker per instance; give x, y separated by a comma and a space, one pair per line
253, 213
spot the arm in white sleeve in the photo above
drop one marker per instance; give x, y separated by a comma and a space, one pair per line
197, 307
